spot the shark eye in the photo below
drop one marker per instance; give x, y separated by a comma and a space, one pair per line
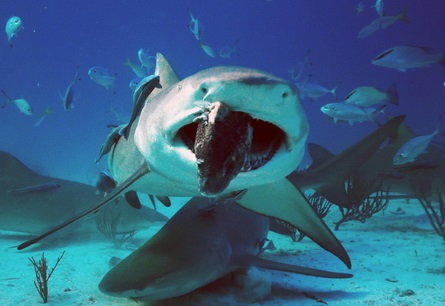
285, 95
204, 90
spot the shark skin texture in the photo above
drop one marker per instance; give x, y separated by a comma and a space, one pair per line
202, 242
157, 158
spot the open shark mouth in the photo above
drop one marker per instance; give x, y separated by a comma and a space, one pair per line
226, 143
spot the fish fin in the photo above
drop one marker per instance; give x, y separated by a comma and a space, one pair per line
295, 209
133, 199
375, 114
164, 200
333, 91
402, 16
141, 171
247, 260
393, 95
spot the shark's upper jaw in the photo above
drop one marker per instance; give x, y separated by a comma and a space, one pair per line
269, 104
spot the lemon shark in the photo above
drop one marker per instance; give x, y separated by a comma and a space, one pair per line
202, 242
252, 117
31, 203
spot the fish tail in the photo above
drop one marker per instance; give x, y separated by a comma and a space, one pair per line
6, 96
333, 91
375, 114
128, 62
393, 95
402, 16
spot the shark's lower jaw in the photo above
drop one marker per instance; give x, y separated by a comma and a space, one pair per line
226, 143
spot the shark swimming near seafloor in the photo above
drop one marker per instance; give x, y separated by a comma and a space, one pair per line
31, 203
180, 118
202, 242
328, 173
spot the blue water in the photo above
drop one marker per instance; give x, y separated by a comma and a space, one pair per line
62, 36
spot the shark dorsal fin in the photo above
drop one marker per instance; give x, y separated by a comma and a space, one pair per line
12, 167
318, 154
166, 73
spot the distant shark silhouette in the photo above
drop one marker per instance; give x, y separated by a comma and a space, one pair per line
158, 158
328, 173
425, 175
32, 203
202, 242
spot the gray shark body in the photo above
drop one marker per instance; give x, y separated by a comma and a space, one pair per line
158, 157
199, 244
32, 203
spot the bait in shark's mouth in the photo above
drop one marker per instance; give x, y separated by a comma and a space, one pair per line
227, 142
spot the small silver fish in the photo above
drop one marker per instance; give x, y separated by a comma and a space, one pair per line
350, 113
21, 104
367, 95
135, 82
45, 113
110, 141
411, 149
314, 90
406, 57
207, 49
195, 26
102, 77
68, 98
227, 51
381, 23
13, 26
147, 61
142, 91
359, 8
379, 7
139, 71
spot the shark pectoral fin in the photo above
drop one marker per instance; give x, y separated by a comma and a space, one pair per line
141, 171
132, 198
279, 266
284, 201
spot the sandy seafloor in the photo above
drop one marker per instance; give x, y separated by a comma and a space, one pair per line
395, 261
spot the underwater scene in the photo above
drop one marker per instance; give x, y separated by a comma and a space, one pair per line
255, 152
